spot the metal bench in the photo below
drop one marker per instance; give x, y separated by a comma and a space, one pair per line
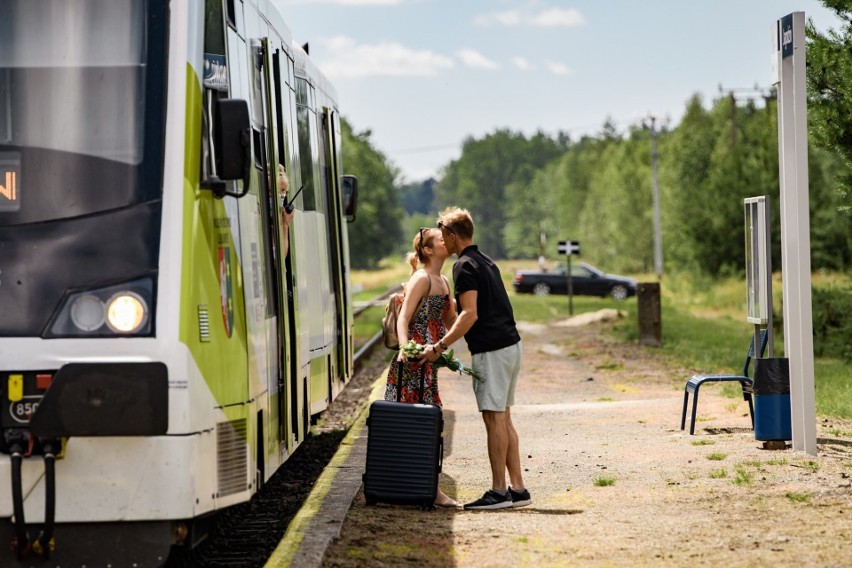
695, 382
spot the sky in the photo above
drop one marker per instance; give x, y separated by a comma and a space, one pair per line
424, 75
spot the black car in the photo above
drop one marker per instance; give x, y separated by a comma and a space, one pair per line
586, 281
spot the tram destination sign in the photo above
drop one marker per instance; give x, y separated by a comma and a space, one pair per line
10, 192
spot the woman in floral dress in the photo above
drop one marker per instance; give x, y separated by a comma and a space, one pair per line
426, 327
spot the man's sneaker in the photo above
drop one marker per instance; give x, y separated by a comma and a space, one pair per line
490, 500
520, 498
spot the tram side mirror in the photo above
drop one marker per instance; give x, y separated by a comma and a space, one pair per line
350, 197
232, 133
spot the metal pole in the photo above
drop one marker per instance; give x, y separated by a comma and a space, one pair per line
570, 287
658, 237
795, 228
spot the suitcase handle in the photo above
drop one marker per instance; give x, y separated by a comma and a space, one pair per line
441, 456
399, 380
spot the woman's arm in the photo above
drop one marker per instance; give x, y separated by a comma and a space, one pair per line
416, 287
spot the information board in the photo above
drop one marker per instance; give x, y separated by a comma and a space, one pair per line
758, 257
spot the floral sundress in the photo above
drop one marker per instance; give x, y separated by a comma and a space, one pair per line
426, 327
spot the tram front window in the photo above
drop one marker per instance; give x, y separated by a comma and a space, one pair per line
75, 97
82, 112
80, 66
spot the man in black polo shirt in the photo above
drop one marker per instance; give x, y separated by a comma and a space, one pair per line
487, 323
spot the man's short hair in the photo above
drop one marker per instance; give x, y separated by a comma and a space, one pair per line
458, 221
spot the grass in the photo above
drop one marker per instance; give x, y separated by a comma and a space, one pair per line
718, 473
703, 443
716, 456
742, 476
703, 323
839, 433
798, 497
604, 481
704, 328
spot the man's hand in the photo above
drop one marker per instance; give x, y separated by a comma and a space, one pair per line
429, 354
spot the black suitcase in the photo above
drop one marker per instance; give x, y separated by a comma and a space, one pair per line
404, 453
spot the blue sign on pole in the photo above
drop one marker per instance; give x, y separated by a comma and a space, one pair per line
786, 33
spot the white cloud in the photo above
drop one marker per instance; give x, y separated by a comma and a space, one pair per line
346, 58
473, 58
350, 2
558, 68
521, 63
557, 17
552, 17
509, 18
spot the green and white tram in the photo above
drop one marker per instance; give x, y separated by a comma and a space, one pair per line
161, 352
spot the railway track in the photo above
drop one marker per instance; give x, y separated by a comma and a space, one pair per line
366, 349
246, 535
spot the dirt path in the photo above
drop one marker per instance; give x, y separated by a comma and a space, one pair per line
614, 480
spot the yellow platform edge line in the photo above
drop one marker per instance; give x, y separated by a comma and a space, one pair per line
289, 545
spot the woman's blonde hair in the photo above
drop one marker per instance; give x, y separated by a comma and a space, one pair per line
422, 239
457, 221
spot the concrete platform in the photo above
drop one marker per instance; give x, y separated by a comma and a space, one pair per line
320, 519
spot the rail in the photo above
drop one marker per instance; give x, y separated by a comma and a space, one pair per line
377, 301
366, 349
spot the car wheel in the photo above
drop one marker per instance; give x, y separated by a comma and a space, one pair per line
619, 292
541, 289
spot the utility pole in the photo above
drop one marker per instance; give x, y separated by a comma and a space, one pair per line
658, 236
742, 93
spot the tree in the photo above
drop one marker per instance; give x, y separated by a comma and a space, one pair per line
418, 197
480, 179
829, 80
616, 227
377, 230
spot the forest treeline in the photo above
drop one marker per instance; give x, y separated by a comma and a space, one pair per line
598, 190
528, 192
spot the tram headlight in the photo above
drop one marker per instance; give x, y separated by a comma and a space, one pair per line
126, 312
87, 312
125, 309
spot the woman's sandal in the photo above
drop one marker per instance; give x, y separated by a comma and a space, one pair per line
451, 504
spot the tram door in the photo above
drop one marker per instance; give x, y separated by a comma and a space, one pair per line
331, 135
263, 134
287, 402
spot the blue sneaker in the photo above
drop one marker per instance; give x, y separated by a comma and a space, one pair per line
520, 498
490, 500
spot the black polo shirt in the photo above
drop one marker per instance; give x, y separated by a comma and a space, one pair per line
495, 326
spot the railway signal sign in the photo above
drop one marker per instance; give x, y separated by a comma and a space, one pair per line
568, 247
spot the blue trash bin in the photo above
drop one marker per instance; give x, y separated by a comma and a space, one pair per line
772, 399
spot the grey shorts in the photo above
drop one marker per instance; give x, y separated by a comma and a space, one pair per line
499, 370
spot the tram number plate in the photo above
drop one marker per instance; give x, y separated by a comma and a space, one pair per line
22, 410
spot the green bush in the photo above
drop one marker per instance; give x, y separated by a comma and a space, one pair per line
832, 317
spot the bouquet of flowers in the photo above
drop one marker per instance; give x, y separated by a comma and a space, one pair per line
414, 350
